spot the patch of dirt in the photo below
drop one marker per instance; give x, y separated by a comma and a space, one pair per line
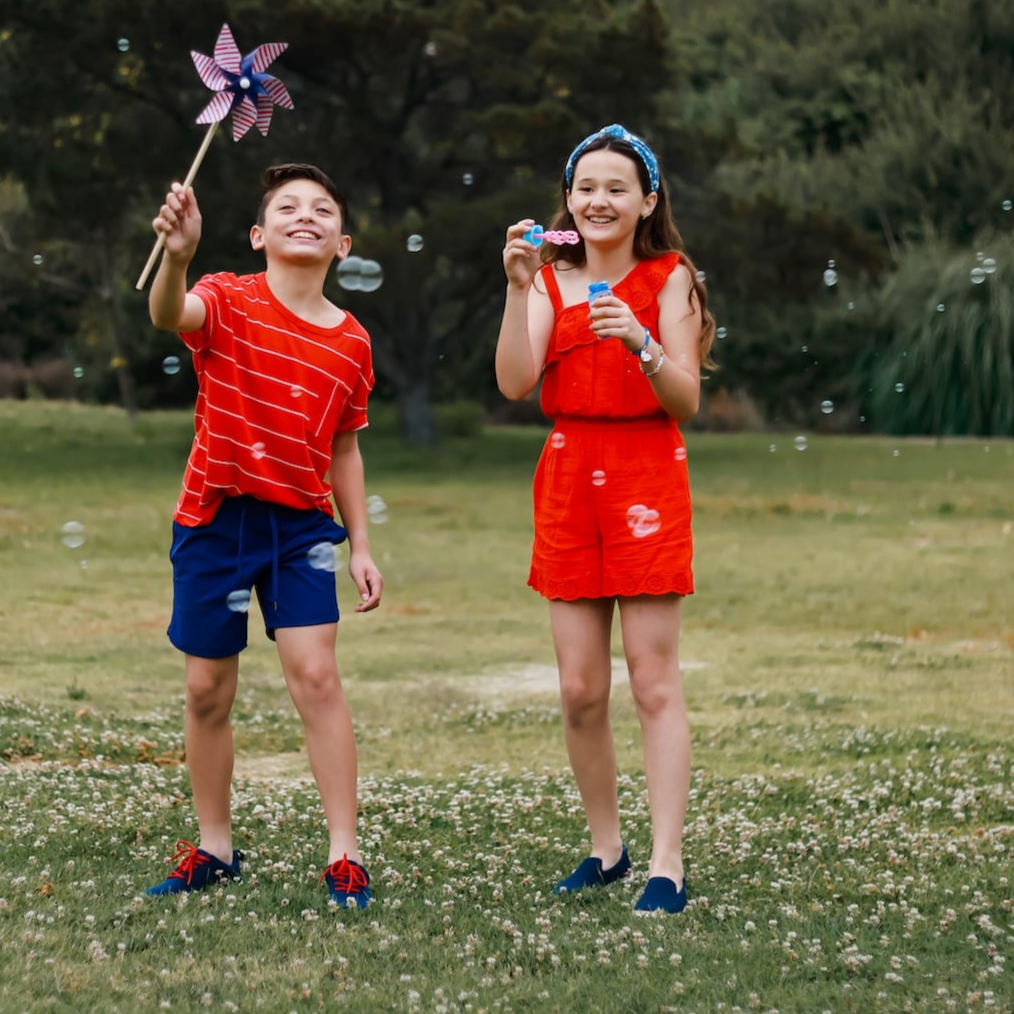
530, 680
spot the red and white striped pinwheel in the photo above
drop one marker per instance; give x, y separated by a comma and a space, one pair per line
242, 86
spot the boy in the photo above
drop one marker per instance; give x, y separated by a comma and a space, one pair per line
284, 377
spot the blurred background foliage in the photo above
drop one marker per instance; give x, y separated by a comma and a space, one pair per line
840, 172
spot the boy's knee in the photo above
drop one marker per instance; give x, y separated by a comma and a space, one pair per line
211, 687
315, 683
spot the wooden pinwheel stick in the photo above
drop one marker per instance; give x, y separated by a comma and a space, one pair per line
191, 173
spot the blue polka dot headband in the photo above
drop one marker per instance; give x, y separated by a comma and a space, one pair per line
621, 133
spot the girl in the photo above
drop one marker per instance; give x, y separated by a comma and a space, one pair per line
612, 499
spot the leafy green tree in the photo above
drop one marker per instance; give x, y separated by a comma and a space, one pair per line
445, 120
942, 356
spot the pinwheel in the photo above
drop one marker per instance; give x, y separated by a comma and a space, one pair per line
242, 88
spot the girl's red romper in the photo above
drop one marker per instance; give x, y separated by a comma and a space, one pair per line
612, 495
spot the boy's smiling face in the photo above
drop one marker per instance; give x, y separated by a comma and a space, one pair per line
302, 225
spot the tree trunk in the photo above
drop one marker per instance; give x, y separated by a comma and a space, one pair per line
110, 296
418, 421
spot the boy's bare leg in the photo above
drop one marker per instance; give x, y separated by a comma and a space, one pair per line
651, 626
581, 638
211, 689
308, 661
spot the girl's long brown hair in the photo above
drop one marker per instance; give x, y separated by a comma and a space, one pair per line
655, 236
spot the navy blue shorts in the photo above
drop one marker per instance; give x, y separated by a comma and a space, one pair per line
285, 554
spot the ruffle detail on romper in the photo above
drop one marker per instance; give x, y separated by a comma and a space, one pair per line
639, 289
571, 589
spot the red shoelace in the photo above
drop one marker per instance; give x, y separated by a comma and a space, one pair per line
348, 876
190, 858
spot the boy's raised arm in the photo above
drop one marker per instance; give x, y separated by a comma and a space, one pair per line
169, 305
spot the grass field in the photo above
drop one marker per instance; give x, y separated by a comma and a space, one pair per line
849, 669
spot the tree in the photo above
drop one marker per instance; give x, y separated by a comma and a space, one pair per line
447, 120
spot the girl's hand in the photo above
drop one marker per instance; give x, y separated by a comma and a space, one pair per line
612, 318
520, 258
179, 220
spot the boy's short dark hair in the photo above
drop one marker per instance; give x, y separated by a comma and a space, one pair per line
276, 175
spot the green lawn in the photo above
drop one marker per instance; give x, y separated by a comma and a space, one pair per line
849, 668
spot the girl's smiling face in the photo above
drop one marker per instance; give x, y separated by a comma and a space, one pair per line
605, 199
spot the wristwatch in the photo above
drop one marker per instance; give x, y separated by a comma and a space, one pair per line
643, 352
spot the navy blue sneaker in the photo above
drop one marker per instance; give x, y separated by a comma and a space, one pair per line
348, 883
660, 895
197, 869
590, 874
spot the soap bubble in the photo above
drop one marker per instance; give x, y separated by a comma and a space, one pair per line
72, 534
78, 372
376, 509
171, 365
978, 276
123, 45
680, 454
321, 556
238, 601
827, 407
941, 307
772, 448
1007, 204
430, 49
899, 387
989, 266
372, 276
350, 273
721, 333
830, 278
37, 259
414, 244
702, 276
468, 179
258, 451
799, 443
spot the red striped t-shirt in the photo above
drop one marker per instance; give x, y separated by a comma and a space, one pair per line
273, 390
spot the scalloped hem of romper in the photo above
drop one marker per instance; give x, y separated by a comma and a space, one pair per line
572, 590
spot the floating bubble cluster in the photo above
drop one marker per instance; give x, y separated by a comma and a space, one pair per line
357, 274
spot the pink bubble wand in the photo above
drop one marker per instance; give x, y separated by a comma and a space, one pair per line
536, 235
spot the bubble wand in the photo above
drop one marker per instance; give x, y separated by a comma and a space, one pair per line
536, 235
243, 89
